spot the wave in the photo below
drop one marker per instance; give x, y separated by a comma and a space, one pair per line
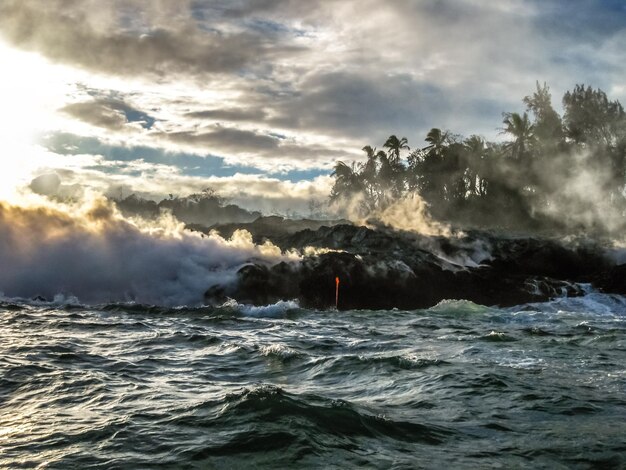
329, 367
593, 303
349, 389
308, 415
460, 307
497, 337
57, 300
275, 310
280, 352
401, 361
230, 308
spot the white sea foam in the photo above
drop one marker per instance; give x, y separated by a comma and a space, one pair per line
278, 350
593, 303
277, 310
523, 363
454, 306
57, 300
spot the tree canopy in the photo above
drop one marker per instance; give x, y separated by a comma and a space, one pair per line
550, 172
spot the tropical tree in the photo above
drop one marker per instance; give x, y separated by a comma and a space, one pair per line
521, 129
347, 181
454, 172
475, 153
437, 141
591, 118
370, 168
426, 172
394, 146
369, 176
510, 184
390, 179
548, 128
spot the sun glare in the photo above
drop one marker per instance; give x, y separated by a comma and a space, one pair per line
32, 91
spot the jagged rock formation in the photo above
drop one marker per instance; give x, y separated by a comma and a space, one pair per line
383, 269
275, 228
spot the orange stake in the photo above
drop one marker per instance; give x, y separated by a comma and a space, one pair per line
336, 292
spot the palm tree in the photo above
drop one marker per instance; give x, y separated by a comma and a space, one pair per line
520, 127
347, 180
475, 144
395, 146
370, 168
427, 166
437, 141
548, 126
392, 175
369, 176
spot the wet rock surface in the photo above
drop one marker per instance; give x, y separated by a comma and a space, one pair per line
384, 269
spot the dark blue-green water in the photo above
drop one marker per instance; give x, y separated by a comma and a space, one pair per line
457, 386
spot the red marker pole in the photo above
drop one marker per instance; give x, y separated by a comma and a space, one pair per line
336, 292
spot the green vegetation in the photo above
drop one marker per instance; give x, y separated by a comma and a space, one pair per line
551, 172
204, 208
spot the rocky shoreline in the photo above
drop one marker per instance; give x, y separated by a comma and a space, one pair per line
383, 269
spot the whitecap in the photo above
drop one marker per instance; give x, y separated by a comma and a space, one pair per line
276, 310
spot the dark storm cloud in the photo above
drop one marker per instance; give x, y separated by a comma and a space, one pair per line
350, 103
223, 141
228, 139
245, 9
590, 21
97, 114
230, 114
94, 37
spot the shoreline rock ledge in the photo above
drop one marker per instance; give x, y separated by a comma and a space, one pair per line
384, 269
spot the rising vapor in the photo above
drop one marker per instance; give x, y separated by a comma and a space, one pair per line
92, 252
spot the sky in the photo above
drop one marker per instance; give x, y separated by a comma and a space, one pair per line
258, 99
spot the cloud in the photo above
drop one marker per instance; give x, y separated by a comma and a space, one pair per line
128, 38
279, 85
110, 114
225, 139
120, 178
272, 195
267, 151
232, 114
349, 103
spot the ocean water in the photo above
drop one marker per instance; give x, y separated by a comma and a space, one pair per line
458, 385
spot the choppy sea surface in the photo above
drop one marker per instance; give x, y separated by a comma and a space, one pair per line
458, 385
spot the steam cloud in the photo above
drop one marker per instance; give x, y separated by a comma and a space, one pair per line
578, 197
409, 213
92, 252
